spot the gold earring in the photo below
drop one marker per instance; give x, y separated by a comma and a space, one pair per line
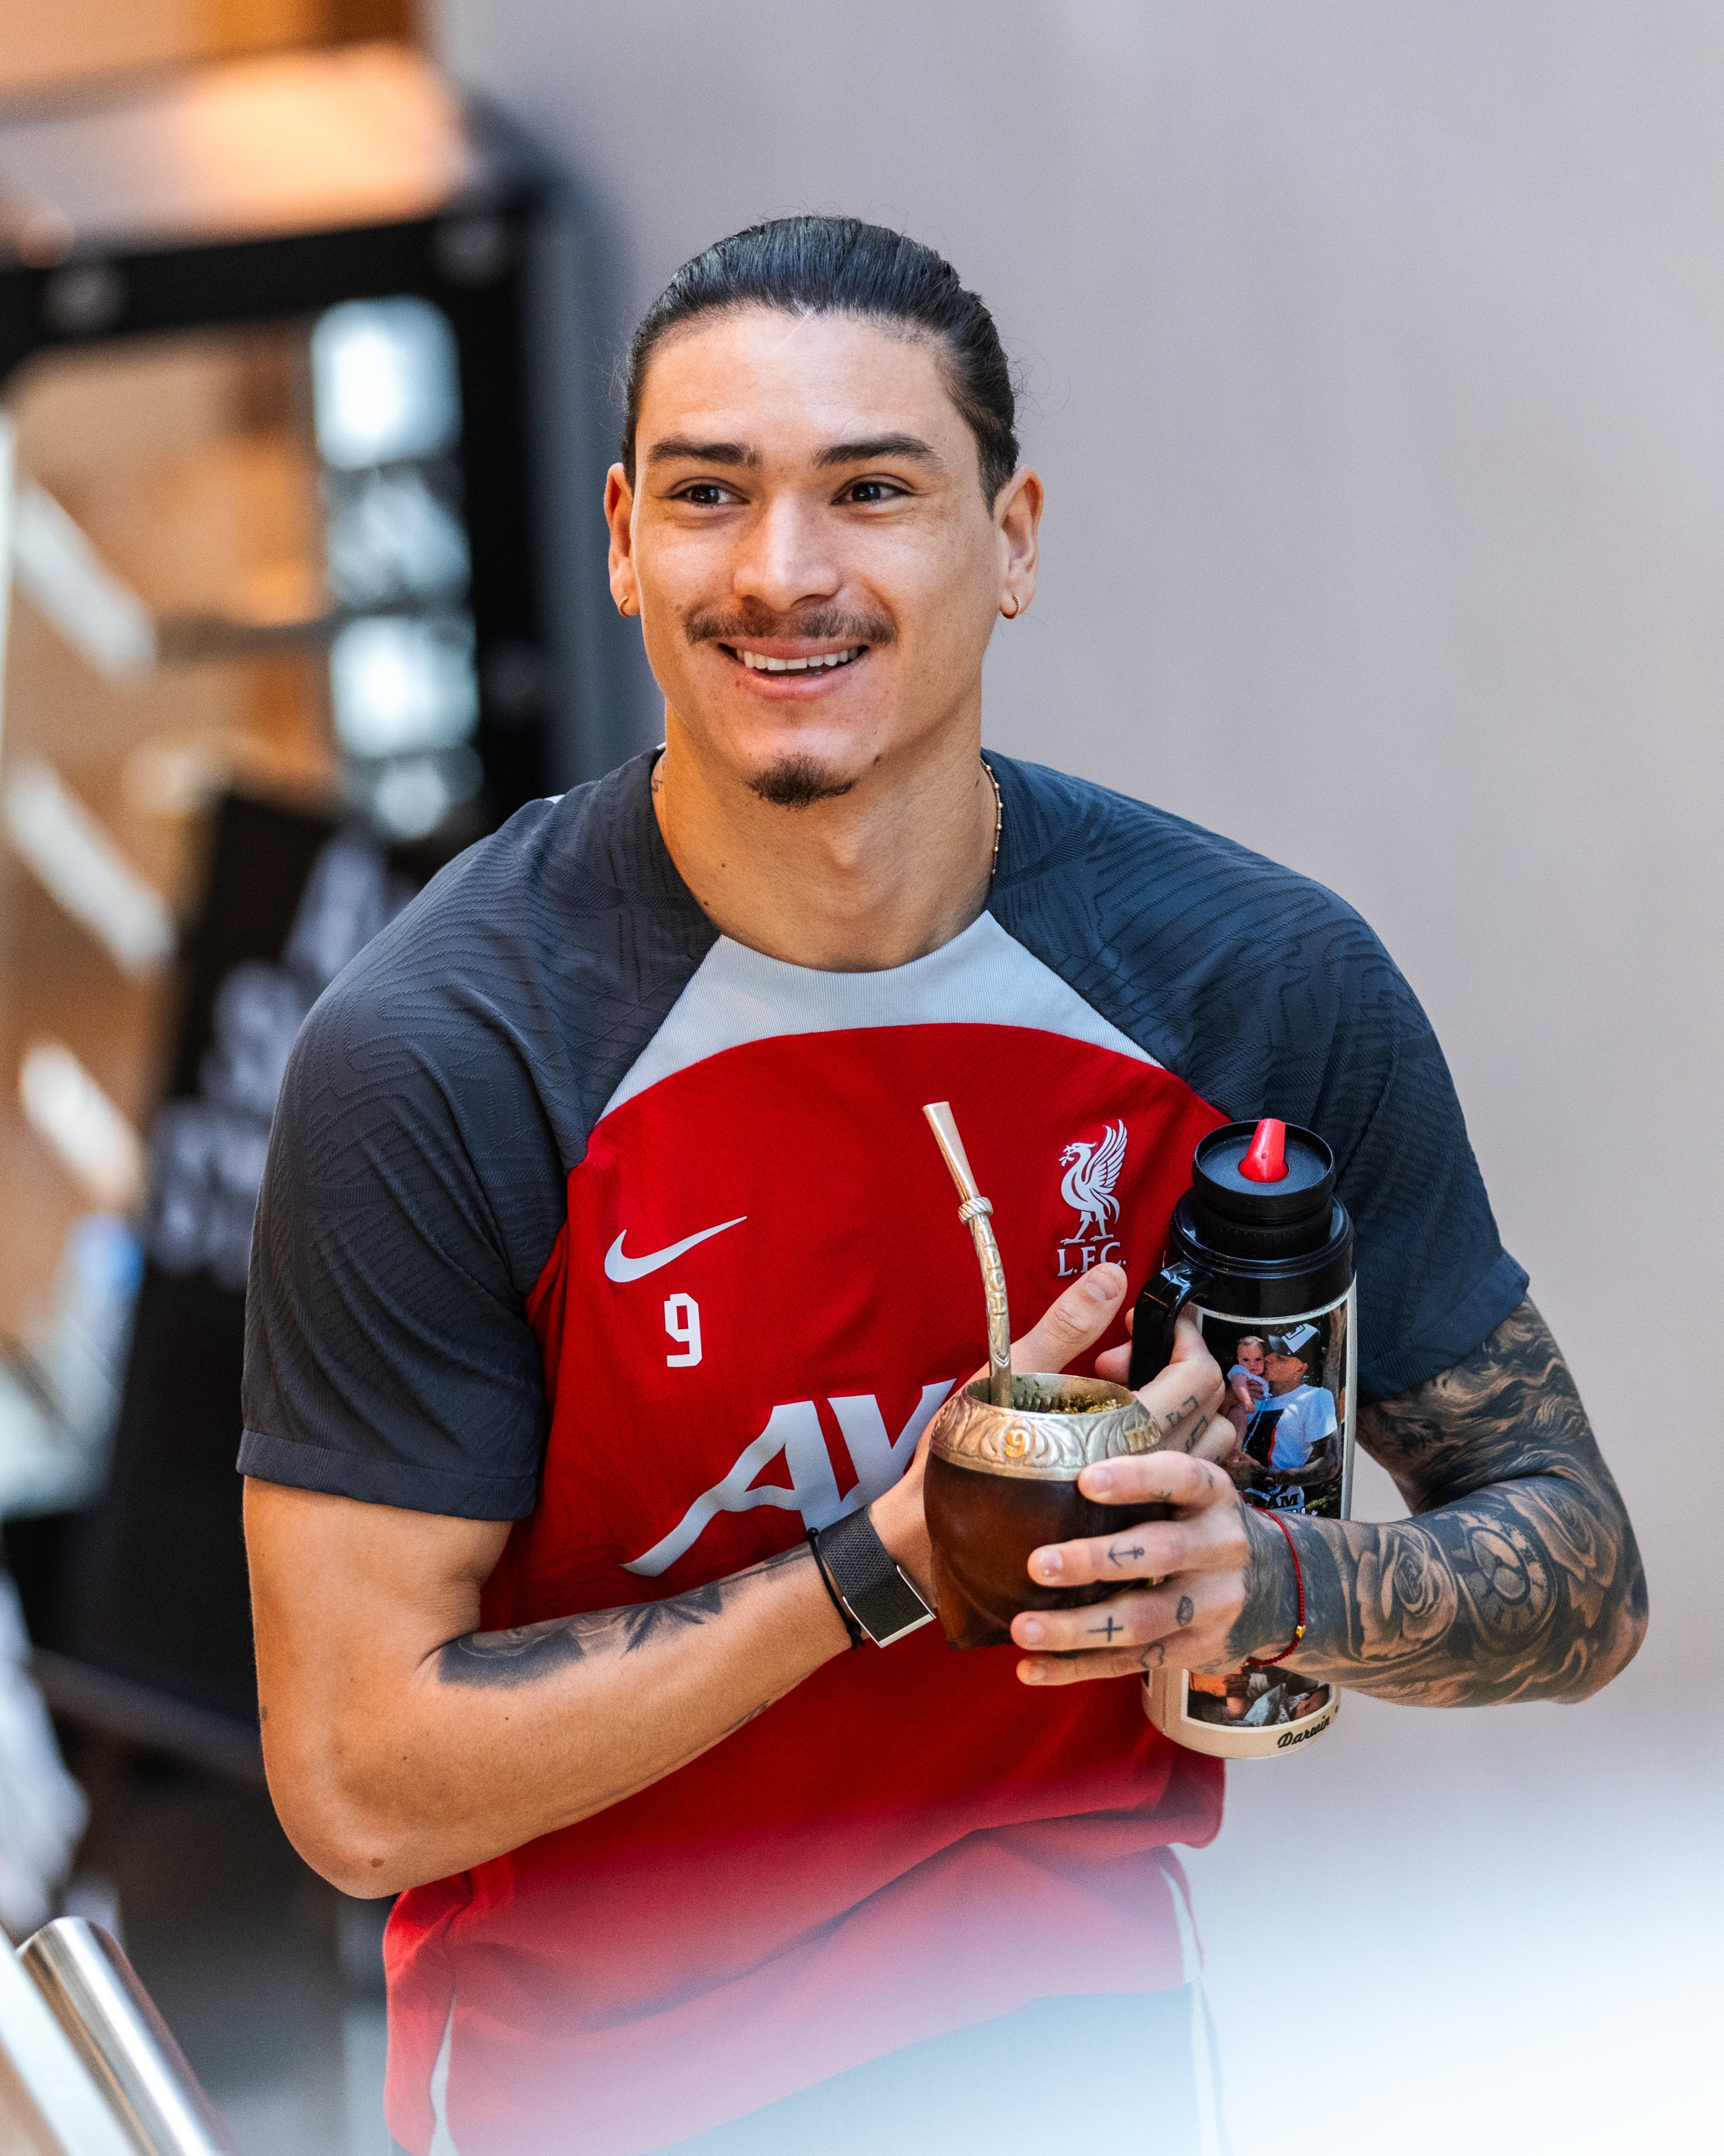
1017, 608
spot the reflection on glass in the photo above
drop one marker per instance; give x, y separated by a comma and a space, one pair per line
401, 683
394, 535
404, 693
169, 609
384, 383
239, 564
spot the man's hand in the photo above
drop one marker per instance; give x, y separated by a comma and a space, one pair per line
1184, 1398
1208, 1545
1199, 1559
1208, 1562
1517, 1577
1202, 1559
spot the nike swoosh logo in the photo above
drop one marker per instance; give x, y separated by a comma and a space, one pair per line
617, 1267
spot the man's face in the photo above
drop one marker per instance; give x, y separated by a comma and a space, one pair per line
806, 491
1284, 1372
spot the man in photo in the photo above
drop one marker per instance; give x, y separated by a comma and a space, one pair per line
1293, 1431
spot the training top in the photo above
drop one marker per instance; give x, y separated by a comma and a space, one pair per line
581, 1215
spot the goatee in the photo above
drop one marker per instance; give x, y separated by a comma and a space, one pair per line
798, 781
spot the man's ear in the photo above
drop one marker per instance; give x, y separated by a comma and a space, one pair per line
1016, 516
619, 514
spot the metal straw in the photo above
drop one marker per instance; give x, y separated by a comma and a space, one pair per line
974, 1212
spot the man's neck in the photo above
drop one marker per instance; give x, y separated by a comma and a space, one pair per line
872, 878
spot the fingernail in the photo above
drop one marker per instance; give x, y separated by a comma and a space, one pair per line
1099, 1480
1031, 1631
1048, 1563
1031, 1673
1103, 1283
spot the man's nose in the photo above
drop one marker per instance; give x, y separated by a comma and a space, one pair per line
786, 560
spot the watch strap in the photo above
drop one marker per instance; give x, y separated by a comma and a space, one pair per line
812, 1539
872, 1587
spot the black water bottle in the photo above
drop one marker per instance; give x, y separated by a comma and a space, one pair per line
1260, 1252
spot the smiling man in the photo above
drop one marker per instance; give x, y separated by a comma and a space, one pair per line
606, 1280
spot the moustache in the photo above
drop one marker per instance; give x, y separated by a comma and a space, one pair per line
824, 625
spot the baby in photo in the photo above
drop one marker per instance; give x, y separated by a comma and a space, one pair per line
1247, 1386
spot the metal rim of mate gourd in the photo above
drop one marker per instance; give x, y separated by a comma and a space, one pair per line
1035, 1437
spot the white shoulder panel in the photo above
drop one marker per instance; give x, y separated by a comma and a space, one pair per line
982, 978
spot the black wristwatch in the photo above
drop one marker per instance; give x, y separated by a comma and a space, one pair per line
870, 1591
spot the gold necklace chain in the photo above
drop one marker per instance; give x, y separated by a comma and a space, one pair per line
999, 818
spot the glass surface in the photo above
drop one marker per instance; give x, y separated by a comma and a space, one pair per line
240, 565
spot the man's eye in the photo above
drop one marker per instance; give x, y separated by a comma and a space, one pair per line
704, 494
871, 489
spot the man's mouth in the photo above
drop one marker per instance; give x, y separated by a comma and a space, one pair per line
760, 662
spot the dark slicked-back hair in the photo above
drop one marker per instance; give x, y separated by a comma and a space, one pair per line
838, 265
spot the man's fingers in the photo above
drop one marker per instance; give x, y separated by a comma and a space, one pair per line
1073, 1323
1184, 1398
1215, 1440
1210, 1537
1182, 1622
1174, 1478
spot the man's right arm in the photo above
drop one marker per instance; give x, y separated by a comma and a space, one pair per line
402, 1745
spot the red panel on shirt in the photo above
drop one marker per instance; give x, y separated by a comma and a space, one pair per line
911, 1841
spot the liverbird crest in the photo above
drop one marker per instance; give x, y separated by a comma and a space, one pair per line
1091, 1171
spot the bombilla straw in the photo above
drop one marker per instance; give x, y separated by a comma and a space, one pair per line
974, 1212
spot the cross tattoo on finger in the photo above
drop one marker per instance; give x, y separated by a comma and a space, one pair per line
1112, 1629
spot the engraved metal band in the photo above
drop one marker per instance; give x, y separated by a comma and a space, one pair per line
1048, 1446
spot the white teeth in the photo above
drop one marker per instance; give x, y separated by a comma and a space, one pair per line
759, 664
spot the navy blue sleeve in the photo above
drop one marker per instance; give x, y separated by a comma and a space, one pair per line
438, 1094
1268, 995
389, 1356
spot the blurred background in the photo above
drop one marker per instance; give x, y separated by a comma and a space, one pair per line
1372, 359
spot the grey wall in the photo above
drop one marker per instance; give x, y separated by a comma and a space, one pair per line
1375, 362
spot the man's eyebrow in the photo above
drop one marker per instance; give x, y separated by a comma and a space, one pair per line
878, 445
681, 449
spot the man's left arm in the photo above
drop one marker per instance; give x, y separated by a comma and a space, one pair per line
1518, 1578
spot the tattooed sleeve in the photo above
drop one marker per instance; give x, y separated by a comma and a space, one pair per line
1518, 1577
527, 1653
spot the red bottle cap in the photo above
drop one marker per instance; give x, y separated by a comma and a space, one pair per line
1266, 1158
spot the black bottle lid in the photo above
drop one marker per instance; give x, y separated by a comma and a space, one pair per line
1263, 1190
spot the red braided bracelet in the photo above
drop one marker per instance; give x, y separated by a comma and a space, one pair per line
1267, 1661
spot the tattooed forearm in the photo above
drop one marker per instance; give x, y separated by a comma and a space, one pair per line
1519, 1577
528, 1653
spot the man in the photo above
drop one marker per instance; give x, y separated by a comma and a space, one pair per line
1296, 1417
604, 1255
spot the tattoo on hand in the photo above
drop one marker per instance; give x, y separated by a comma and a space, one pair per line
1186, 1611
1116, 1555
1112, 1629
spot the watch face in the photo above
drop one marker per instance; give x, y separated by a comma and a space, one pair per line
875, 1592
888, 1609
